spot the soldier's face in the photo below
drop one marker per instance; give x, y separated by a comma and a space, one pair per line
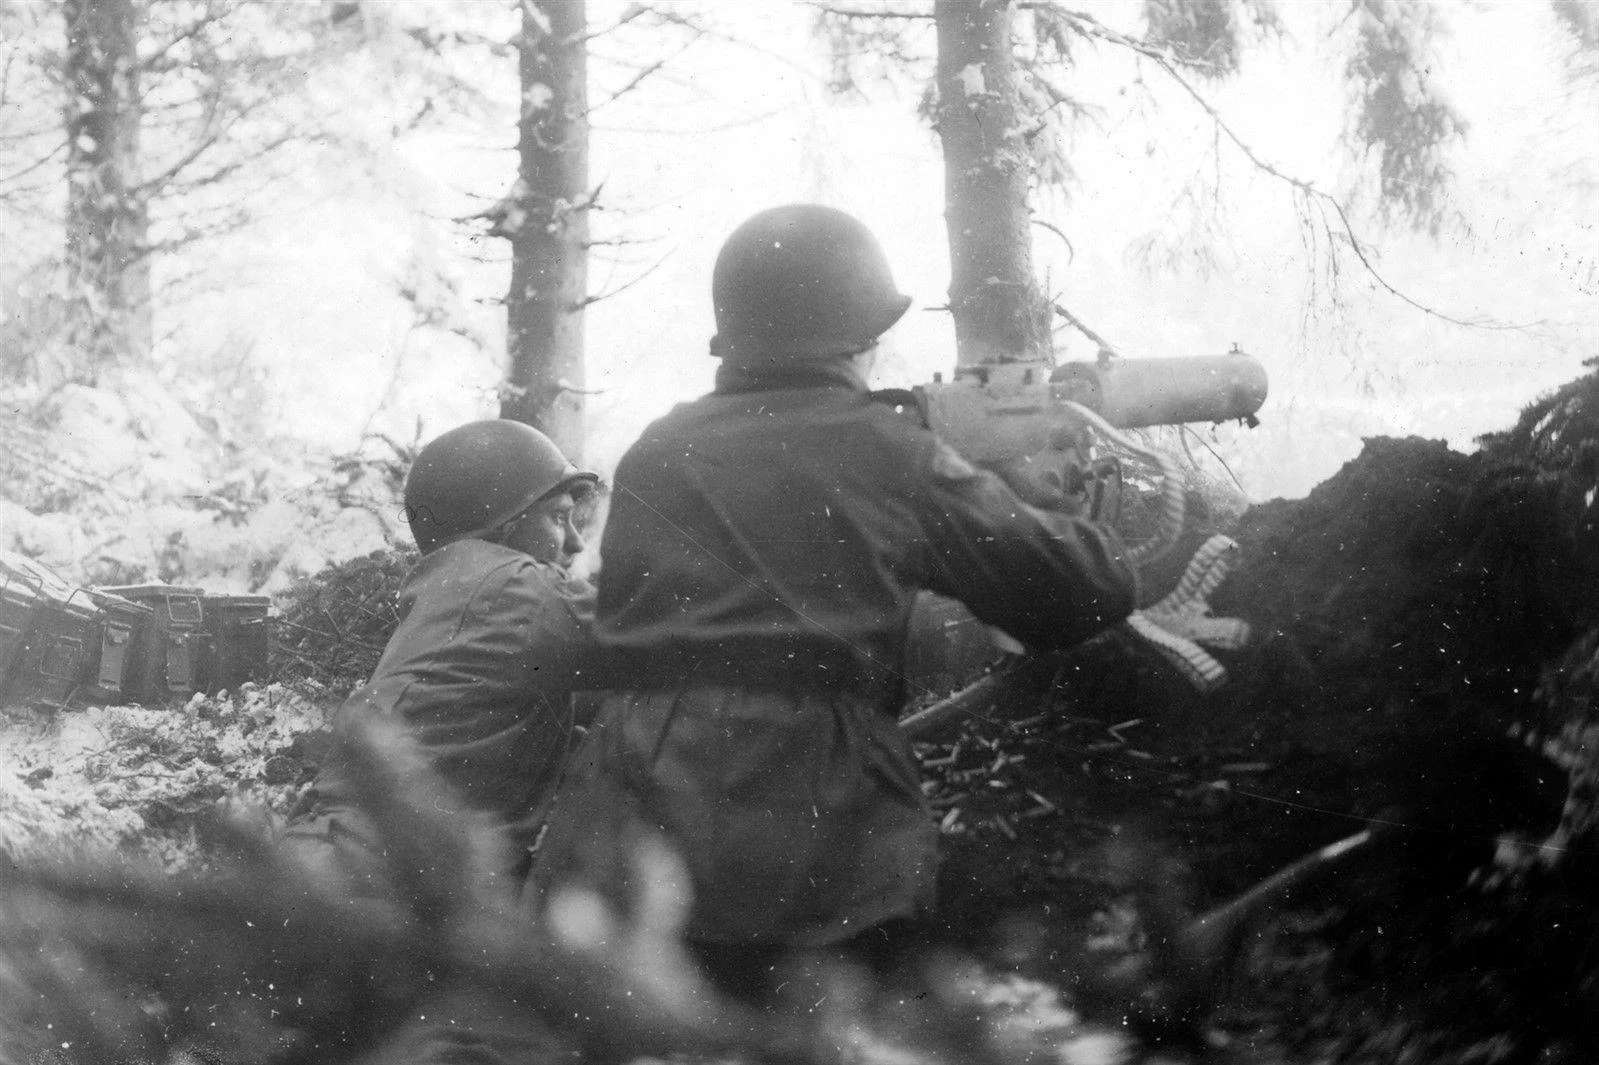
547, 530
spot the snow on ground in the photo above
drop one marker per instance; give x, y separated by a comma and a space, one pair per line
138, 778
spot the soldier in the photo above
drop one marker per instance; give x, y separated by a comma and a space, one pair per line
494, 634
763, 549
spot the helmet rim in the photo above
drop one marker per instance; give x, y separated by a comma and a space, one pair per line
478, 476
802, 282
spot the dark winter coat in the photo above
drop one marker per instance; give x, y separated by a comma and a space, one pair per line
479, 672
762, 554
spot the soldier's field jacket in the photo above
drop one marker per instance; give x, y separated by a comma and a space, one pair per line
479, 673
762, 554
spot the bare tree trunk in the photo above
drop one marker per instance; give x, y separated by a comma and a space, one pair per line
999, 314
546, 220
107, 226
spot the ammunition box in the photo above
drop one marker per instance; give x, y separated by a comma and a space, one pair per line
49, 629
238, 640
169, 661
55, 659
17, 603
126, 628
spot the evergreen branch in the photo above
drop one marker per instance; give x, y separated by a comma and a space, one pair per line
5, 76
1058, 98
1169, 63
692, 131
1071, 249
673, 18
225, 170
643, 75
633, 12
28, 134
212, 131
29, 448
1079, 325
263, 956
155, 62
1185, 431
434, 42
855, 12
624, 286
31, 167
219, 224
621, 242
1089, 26
1326, 198
26, 193
319, 633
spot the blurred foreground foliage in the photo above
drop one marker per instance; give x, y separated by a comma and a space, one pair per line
1427, 639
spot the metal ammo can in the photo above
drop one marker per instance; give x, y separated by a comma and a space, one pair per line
52, 661
238, 644
167, 660
126, 628
18, 598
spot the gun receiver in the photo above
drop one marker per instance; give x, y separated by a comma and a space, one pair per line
1031, 422
1008, 411
1035, 423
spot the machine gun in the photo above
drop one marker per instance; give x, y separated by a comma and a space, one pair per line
1037, 423
1044, 428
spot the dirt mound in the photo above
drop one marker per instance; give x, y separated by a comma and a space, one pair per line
1426, 637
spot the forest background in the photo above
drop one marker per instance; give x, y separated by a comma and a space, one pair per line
257, 252
1390, 203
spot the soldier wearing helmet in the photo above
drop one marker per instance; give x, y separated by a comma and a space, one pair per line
494, 635
484, 481
761, 556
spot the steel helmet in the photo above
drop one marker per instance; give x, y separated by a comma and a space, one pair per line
480, 475
801, 282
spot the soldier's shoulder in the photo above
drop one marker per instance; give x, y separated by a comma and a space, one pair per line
552, 579
901, 415
903, 403
470, 553
684, 420
897, 427
467, 569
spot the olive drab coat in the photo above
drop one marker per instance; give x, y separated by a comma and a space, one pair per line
479, 673
762, 554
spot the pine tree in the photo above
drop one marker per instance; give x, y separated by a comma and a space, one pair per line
545, 218
107, 227
1006, 121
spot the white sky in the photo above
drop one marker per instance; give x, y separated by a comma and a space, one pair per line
746, 127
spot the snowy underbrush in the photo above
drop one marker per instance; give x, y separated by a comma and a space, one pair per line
331, 628
121, 483
141, 779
